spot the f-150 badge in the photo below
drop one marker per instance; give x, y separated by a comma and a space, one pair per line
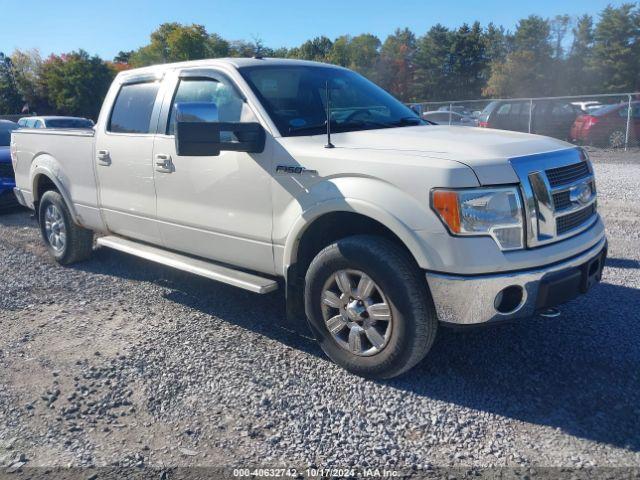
294, 169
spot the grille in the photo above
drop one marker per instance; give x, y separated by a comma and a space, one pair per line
565, 175
562, 200
567, 223
6, 170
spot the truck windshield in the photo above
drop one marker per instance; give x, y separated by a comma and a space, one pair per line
295, 98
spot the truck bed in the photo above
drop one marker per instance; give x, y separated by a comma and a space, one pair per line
66, 155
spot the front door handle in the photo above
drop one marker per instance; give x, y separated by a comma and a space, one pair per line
164, 163
103, 157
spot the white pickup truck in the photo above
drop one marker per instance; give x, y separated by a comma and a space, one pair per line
378, 234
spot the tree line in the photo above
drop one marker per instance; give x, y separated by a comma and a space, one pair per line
541, 57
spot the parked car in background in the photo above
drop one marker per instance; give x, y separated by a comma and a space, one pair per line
7, 178
553, 118
450, 118
456, 108
55, 122
607, 126
588, 107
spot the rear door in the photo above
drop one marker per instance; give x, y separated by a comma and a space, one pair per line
124, 165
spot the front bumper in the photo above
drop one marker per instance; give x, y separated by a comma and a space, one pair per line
466, 300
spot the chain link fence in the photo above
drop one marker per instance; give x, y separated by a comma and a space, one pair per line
606, 120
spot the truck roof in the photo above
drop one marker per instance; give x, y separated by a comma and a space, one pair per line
212, 62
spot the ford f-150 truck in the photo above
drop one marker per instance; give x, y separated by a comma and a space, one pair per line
267, 173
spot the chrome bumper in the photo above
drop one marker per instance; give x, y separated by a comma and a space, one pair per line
466, 300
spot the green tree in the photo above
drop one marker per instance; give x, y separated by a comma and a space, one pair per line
616, 49
468, 65
533, 35
396, 68
433, 64
10, 100
174, 42
559, 28
528, 69
76, 83
579, 74
318, 49
27, 66
365, 52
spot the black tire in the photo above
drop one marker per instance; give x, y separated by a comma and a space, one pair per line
78, 244
394, 271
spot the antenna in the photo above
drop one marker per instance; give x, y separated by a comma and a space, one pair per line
328, 97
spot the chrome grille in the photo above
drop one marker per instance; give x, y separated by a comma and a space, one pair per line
566, 223
557, 202
562, 200
6, 170
568, 174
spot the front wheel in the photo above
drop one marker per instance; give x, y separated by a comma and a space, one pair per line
369, 306
66, 241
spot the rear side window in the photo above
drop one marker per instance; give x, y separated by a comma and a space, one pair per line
504, 109
133, 107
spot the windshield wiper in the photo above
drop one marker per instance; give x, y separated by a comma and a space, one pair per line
305, 128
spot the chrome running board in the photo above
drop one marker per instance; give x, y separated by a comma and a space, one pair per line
206, 269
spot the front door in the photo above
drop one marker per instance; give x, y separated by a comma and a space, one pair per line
123, 156
217, 207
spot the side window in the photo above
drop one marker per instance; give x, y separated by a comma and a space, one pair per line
133, 107
504, 109
224, 96
38, 124
635, 112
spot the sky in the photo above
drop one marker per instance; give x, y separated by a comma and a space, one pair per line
106, 27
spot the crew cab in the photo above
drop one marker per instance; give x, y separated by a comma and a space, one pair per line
269, 173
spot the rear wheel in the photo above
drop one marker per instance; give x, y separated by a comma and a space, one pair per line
369, 306
67, 242
617, 138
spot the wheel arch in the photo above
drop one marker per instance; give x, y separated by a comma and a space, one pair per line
43, 179
332, 220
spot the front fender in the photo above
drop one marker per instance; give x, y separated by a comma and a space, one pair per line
400, 212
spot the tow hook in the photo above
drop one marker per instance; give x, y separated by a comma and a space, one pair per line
550, 313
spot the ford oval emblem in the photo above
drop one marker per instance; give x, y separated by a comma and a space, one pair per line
580, 193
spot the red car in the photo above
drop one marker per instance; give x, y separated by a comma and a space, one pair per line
607, 126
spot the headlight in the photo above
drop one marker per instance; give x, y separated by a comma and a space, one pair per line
496, 212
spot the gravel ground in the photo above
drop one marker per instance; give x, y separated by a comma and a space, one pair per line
121, 363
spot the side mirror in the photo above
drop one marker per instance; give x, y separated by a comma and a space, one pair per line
197, 132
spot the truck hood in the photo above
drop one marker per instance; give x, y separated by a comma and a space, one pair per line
484, 150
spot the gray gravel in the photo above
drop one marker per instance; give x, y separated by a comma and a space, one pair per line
119, 362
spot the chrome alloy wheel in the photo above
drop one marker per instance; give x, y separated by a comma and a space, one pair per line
356, 312
55, 228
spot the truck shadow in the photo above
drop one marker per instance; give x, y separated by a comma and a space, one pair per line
579, 373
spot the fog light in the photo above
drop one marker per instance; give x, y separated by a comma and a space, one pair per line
509, 299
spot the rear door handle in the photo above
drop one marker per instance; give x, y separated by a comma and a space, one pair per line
103, 157
164, 163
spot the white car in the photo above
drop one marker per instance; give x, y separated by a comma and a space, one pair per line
450, 118
55, 122
378, 226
